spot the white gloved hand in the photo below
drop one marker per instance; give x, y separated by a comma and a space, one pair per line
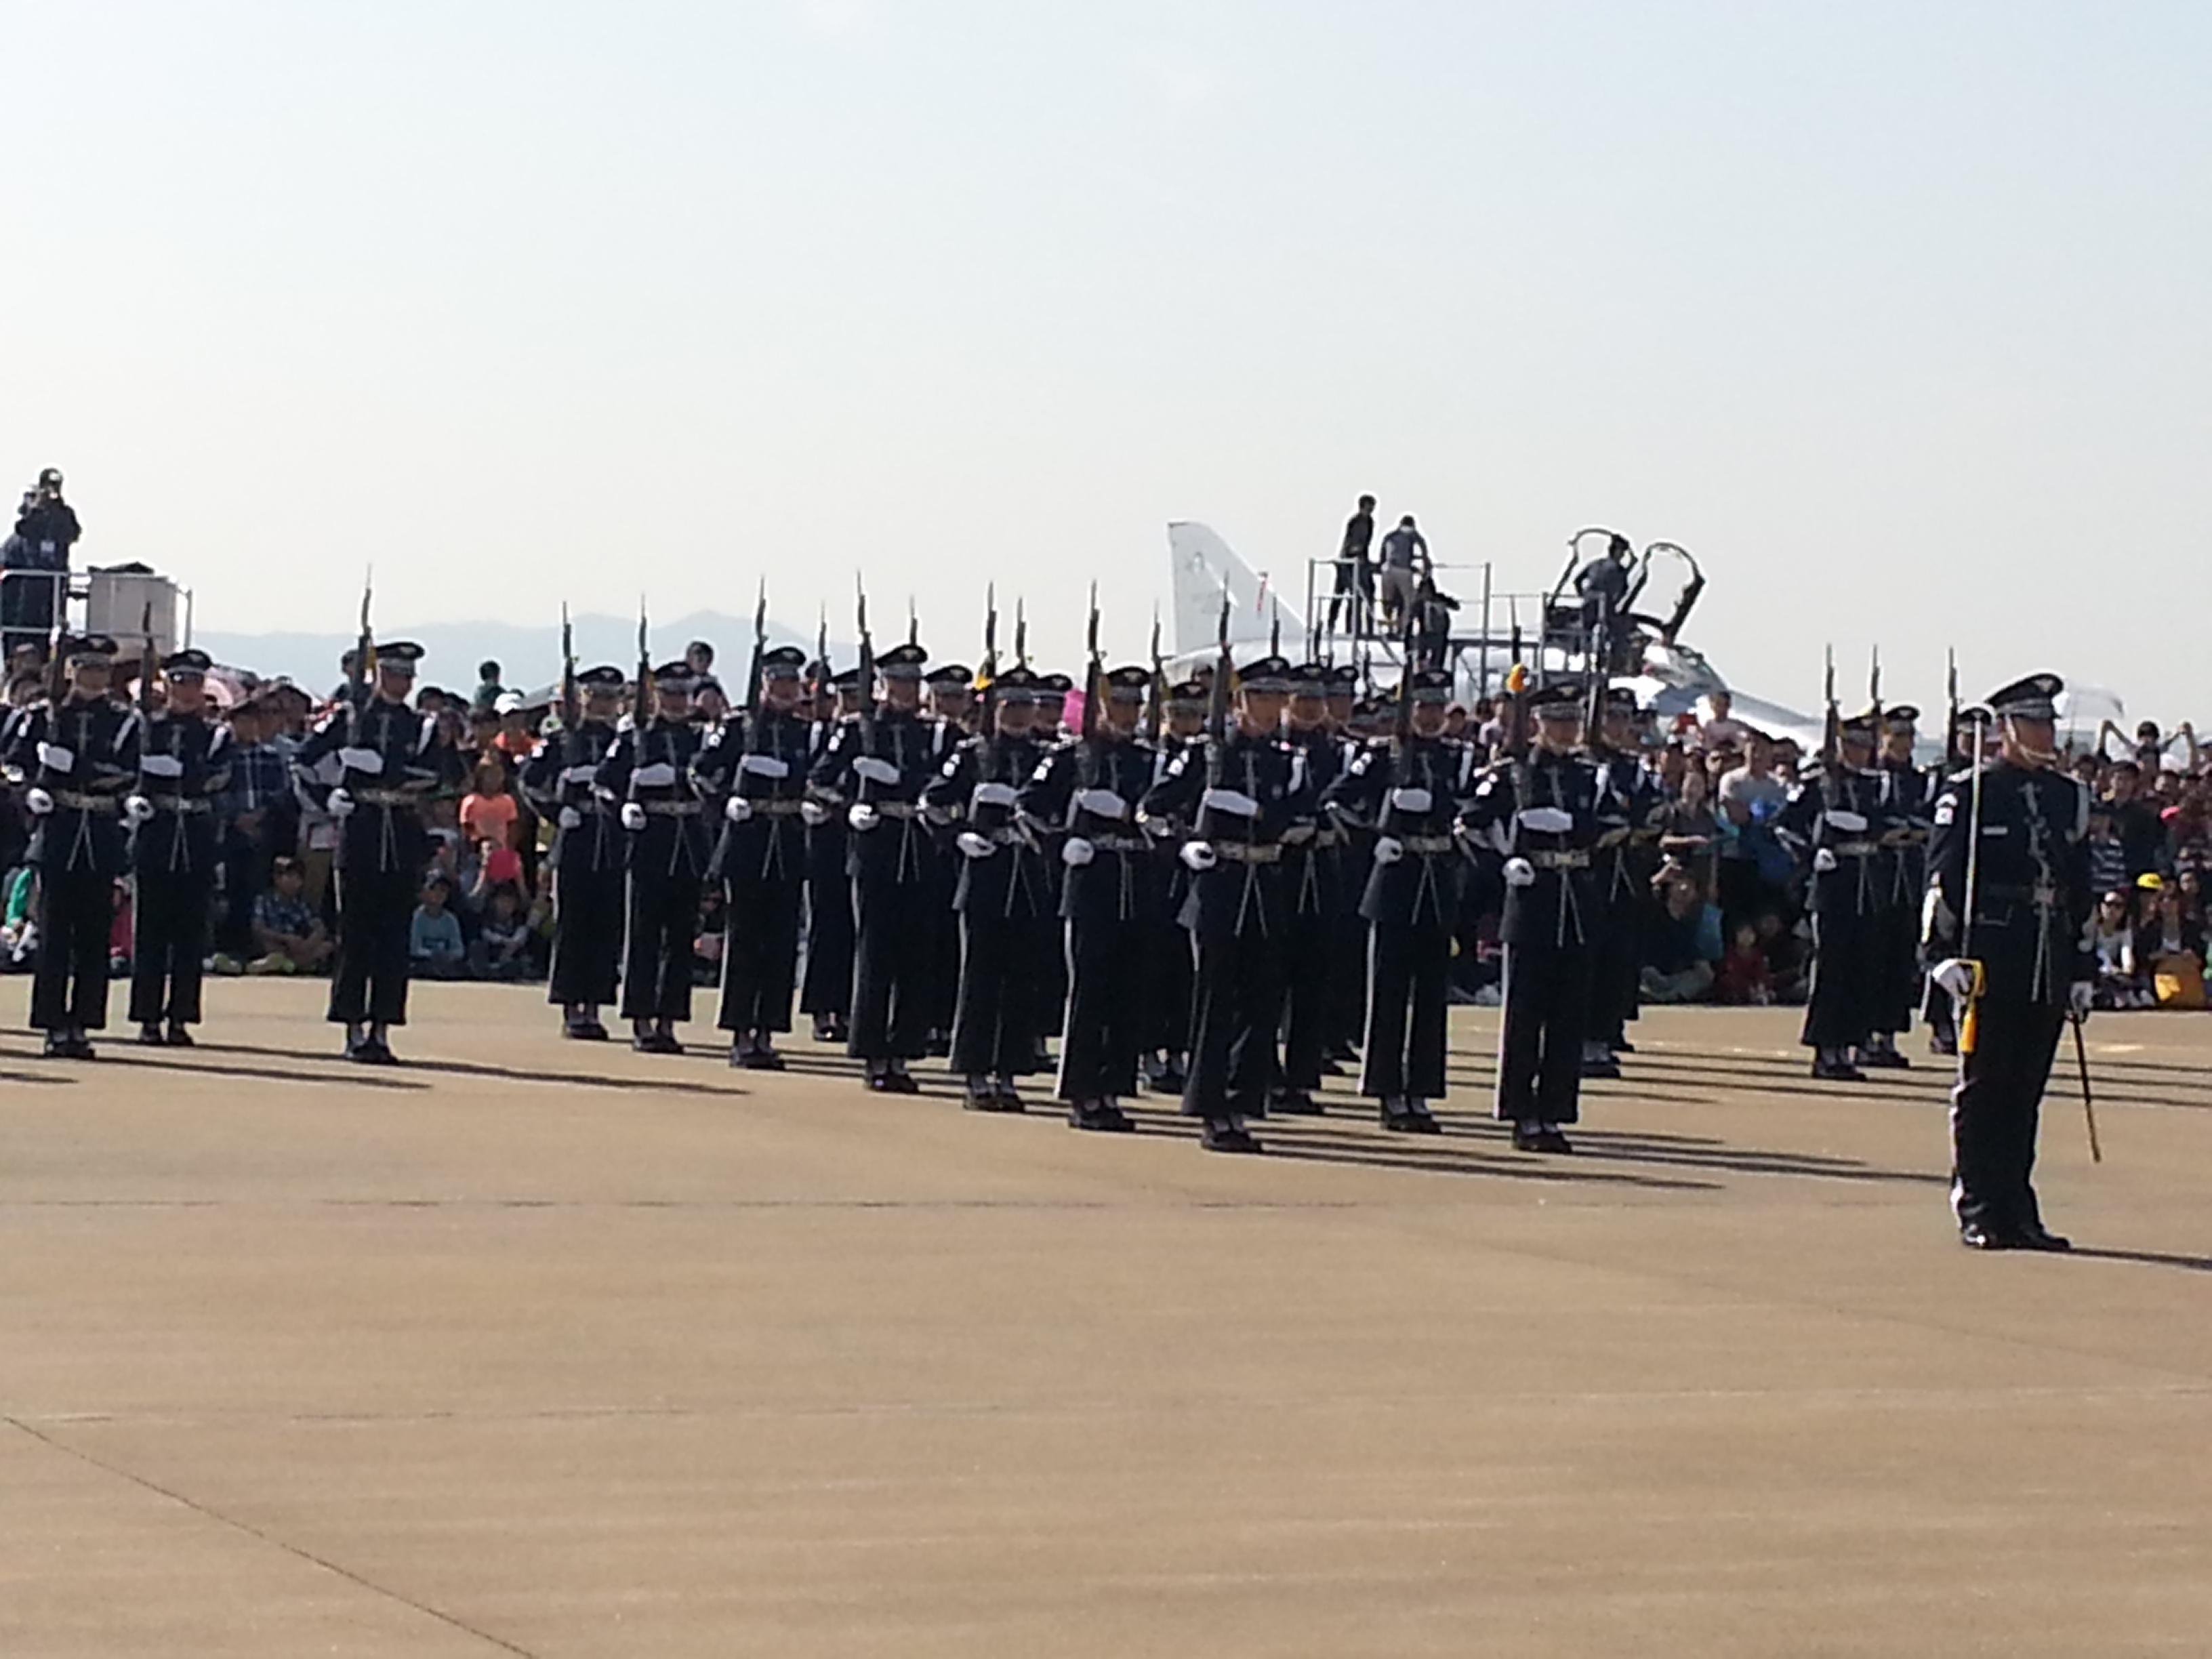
1956, 976
161, 766
55, 758
1234, 802
2079, 995
1101, 802
1824, 861
1548, 820
40, 802
738, 810
659, 775
1296, 833
1411, 800
633, 816
1389, 849
1075, 852
1851, 823
861, 816
571, 818
973, 845
368, 760
1199, 856
765, 766
812, 812
138, 809
340, 804
877, 770
1519, 873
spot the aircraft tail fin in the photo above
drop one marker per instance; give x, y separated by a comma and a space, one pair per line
1199, 563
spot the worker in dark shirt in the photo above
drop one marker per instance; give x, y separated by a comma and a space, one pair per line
1355, 568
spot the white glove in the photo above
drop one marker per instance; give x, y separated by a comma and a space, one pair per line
362, 760
1411, 800
659, 775
583, 774
633, 816
1956, 976
2079, 995
1824, 861
861, 816
161, 766
738, 810
1851, 823
1519, 873
1197, 855
340, 804
1101, 802
138, 808
994, 794
1548, 820
812, 812
877, 770
1234, 802
1389, 849
39, 801
765, 765
1075, 852
55, 758
973, 845
571, 818
1296, 833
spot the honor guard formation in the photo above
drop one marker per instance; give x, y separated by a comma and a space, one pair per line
1219, 888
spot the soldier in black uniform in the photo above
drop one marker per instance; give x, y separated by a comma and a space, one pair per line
1541, 814
873, 772
1240, 795
78, 757
1355, 843
1168, 1016
1840, 814
1089, 789
1408, 795
1909, 790
647, 769
388, 760
950, 689
759, 759
184, 763
1314, 881
1053, 691
2012, 941
825, 986
1000, 897
1626, 858
560, 779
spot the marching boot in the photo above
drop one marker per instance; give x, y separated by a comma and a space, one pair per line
180, 1035
150, 1035
1834, 1065
1227, 1134
1010, 1099
1880, 1050
1598, 1060
376, 1049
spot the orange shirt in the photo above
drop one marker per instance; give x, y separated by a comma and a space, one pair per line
489, 817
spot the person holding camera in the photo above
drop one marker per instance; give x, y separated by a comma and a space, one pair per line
47, 528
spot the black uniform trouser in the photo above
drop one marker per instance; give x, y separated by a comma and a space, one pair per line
1901, 978
1347, 978
894, 961
944, 980
370, 979
1170, 959
1618, 965
1994, 1107
760, 954
76, 912
1237, 1008
1539, 1039
1109, 1012
827, 986
1307, 1026
994, 1020
168, 944
1847, 966
662, 923
1409, 974
588, 937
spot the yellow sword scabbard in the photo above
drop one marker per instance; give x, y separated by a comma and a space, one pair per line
1970, 1018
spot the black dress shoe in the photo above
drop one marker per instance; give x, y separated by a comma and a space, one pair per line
592, 1031
1600, 1067
1540, 1137
1621, 1046
1836, 1070
1009, 1101
57, 1046
150, 1037
375, 1051
180, 1037
1887, 1060
2040, 1237
1407, 1121
882, 1083
901, 1083
825, 1030
978, 1094
1099, 1116
1976, 1237
1295, 1102
762, 1059
1943, 1047
1220, 1137
1172, 1080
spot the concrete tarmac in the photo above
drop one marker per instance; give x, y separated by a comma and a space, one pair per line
536, 1347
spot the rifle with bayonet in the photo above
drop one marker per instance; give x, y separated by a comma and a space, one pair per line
1873, 693
363, 663
146, 662
572, 714
988, 722
1216, 700
1951, 712
1088, 726
867, 716
641, 697
1021, 635
1154, 710
752, 702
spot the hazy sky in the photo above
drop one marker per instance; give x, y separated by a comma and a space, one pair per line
1895, 312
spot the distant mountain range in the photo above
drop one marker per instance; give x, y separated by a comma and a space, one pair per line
528, 656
